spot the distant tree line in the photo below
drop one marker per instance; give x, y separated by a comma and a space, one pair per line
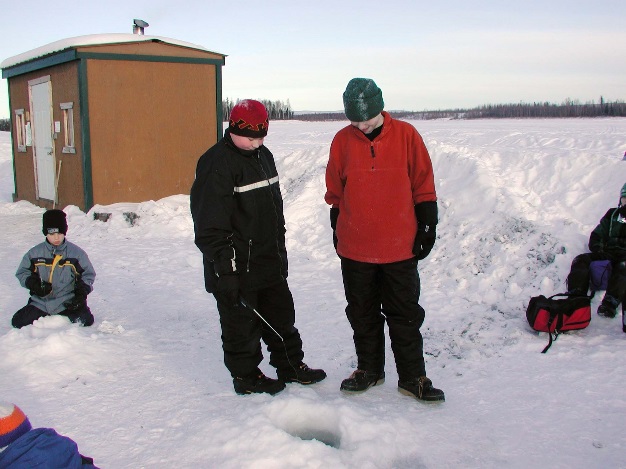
279, 110
569, 108
276, 110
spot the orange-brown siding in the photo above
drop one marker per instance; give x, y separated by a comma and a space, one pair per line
150, 48
149, 123
64, 79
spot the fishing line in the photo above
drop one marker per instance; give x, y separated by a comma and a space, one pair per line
246, 305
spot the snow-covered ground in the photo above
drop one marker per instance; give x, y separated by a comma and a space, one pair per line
145, 387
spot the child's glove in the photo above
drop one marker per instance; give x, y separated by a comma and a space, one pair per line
427, 217
334, 215
424, 241
75, 303
81, 290
228, 285
36, 286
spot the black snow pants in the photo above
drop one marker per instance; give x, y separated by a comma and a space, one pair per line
579, 275
385, 292
30, 313
243, 330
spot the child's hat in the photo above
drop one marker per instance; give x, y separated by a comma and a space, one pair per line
54, 221
623, 192
362, 100
13, 423
249, 119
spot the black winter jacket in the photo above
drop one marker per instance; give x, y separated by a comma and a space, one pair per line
237, 210
610, 234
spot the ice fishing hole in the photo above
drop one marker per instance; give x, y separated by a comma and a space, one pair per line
307, 420
323, 436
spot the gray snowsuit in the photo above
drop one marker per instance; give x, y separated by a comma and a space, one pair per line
60, 265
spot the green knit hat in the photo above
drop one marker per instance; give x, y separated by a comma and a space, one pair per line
362, 100
623, 192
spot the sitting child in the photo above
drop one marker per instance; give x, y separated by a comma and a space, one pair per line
607, 242
22, 446
58, 275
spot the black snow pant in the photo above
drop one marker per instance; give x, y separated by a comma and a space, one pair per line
29, 314
385, 292
243, 330
579, 275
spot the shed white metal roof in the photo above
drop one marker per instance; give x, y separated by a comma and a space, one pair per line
92, 40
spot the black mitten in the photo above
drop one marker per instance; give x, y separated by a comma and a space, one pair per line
36, 286
334, 215
228, 286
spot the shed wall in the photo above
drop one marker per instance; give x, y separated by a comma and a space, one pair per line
65, 88
148, 122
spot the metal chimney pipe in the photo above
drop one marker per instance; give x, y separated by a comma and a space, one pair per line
138, 26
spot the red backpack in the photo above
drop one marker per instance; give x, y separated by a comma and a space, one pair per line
555, 316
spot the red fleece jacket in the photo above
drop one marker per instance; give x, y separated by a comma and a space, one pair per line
376, 185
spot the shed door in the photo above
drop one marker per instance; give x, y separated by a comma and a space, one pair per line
43, 149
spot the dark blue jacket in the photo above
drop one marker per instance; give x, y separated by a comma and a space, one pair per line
43, 448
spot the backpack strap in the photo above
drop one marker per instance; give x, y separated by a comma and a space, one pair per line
569, 295
556, 334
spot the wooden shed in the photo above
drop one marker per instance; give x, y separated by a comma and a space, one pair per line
102, 119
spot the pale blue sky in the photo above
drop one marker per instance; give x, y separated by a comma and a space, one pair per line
423, 55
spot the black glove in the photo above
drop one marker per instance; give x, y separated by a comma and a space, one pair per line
228, 286
596, 243
81, 290
427, 216
76, 303
334, 215
36, 286
424, 241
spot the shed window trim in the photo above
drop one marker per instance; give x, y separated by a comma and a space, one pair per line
20, 130
68, 127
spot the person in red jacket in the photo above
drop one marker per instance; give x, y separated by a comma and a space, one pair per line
381, 189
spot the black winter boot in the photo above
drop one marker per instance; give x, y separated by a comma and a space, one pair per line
421, 388
608, 307
257, 383
361, 380
301, 374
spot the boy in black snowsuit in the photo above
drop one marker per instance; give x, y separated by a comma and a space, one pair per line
239, 226
58, 274
607, 242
